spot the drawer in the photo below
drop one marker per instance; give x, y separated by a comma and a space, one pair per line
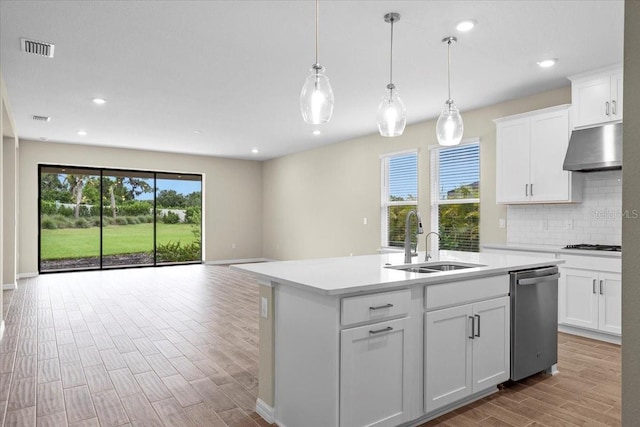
592, 263
375, 307
465, 291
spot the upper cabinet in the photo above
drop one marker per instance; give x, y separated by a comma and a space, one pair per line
530, 151
597, 97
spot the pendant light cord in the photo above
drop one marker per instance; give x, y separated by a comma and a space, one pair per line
391, 56
317, 24
449, 70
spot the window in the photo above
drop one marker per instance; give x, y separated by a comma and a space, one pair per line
455, 196
93, 218
399, 194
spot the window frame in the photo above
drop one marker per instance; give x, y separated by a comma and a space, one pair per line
435, 202
385, 203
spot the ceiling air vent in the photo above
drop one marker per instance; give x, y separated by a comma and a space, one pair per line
37, 48
41, 118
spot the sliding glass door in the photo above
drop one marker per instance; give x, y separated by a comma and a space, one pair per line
178, 213
103, 218
127, 218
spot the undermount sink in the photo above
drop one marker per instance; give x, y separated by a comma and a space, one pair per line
434, 267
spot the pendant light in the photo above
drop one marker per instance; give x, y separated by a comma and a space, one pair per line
316, 98
449, 128
392, 116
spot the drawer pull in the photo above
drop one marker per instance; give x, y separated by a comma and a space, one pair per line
473, 327
379, 331
601, 291
593, 287
380, 307
478, 333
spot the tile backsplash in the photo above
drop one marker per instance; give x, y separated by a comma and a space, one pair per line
597, 220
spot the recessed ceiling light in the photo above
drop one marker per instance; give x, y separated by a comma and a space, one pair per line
255, 151
316, 132
466, 25
99, 101
546, 63
197, 132
82, 132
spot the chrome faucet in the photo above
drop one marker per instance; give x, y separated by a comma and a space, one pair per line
407, 236
426, 243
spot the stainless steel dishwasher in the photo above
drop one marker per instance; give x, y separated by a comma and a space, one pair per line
534, 321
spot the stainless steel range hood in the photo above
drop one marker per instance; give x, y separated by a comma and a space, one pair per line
595, 149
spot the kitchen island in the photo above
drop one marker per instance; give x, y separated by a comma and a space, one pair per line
357, 341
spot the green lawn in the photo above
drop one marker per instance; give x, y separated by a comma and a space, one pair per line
117, 239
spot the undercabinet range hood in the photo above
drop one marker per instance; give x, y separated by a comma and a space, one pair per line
595, 149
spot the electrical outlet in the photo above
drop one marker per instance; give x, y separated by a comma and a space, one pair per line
364, 221
264, 308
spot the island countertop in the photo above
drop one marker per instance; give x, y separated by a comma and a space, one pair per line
336, 276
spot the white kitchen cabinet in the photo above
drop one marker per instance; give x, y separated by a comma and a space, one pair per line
530, 152
596, 97
374, 377
591, 298
466, 350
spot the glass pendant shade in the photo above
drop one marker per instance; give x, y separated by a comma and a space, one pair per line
449, 128
392, 115
316, 98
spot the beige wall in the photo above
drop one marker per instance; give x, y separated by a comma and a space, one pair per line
315, 201
232, 194
10, 214
631, 225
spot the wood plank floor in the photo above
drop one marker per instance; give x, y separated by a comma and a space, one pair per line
177, 346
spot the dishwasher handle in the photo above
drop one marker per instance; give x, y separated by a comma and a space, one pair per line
534, 280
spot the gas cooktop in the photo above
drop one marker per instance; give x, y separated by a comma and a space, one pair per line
585, 246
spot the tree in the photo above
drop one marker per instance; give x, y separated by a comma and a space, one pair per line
76, 185
194, 199
124, 188
170, 199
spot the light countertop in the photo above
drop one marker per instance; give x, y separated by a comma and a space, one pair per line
551, 249
335, 276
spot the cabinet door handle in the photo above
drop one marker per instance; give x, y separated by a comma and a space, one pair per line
606, 109
594, 286
526, 190
379, 331
614, 107
601, 287
531, 190
473, 327
380, 307
478, 317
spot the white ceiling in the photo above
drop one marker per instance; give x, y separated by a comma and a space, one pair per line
233, 69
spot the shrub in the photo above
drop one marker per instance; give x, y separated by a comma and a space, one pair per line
135, 208
63, 221
132, 220
81, 223
48, 223
192, 215
121, 220
146, 218
171, 218
95, 221
175, 252
48, 208
66, 211
107, 220
84, 211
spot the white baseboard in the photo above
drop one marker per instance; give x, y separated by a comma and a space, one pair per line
1, 329
600, 336
9, 286
265, 411
27, 275
236, 261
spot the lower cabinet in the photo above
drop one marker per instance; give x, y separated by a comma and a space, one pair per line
467, 350
591, 299
374, 379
